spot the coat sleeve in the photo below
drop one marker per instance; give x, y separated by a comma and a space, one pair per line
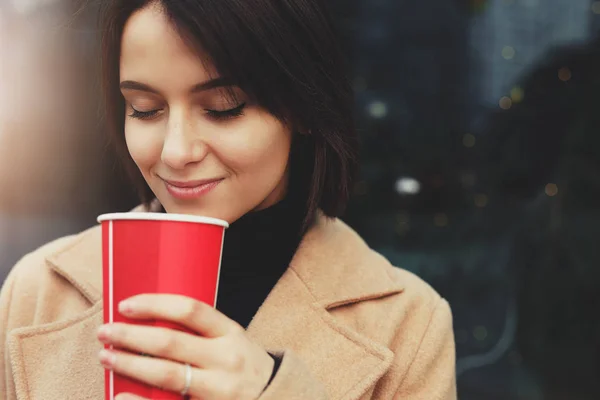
19, 302
432, 373
6, 295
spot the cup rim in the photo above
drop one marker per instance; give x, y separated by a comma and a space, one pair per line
154, 216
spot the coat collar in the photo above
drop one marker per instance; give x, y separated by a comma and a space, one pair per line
332, 261
331, 268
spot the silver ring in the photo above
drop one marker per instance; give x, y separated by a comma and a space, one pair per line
188, 380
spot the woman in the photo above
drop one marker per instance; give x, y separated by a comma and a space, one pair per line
239, 110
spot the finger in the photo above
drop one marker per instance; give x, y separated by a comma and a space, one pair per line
129, 396
193, 314
163, 343
167, 375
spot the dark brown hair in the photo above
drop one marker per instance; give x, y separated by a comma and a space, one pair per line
281, 53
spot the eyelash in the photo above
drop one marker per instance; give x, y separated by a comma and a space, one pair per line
227, 114
142, 114
214, 114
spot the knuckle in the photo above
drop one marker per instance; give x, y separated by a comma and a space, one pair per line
192, 311
166, 347
170, 378
236, 361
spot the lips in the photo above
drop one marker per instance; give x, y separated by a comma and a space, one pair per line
191, 184
186, 190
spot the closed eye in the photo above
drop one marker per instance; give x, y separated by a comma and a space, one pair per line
227, 114
218, 115
143, 114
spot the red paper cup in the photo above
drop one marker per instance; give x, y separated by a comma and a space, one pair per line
157, 253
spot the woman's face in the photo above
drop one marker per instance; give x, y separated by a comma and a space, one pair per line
201, 152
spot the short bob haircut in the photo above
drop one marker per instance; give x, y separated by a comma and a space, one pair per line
284, 55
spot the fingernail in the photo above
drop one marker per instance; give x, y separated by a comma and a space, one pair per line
107, 358
126, 307
104, 332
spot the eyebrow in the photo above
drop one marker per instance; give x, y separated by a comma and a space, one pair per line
201, 87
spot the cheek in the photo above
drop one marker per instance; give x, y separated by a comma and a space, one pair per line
144, 150
261, 148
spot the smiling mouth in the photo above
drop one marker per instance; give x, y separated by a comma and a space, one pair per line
191, 189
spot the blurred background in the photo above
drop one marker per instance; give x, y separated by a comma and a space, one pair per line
480, 124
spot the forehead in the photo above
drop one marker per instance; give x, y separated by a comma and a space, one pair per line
153, 51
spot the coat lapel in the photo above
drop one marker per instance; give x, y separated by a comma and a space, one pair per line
346, 362
327, 272
330, 270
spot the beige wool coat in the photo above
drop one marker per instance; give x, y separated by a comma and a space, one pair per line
348, 324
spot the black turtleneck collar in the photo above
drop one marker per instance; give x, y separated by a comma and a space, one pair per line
257, 251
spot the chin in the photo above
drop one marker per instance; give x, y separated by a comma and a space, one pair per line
198, 211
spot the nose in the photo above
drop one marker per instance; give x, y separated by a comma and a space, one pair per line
182, 145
